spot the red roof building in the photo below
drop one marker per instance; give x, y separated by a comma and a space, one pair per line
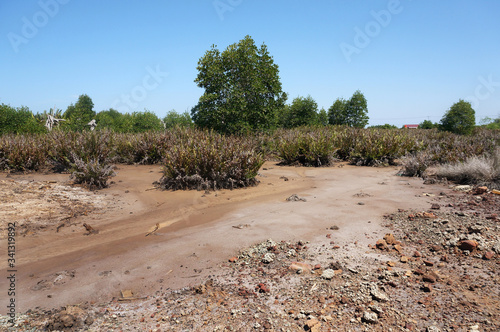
411, 126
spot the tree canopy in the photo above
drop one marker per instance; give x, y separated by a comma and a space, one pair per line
174, 119
18, 120
242, 89
428, 124
81, 113
303, 111
352, 112
460, 118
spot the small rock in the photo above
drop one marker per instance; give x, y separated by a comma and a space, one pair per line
381, 244
474, 328
404, 259
328, 274
376, 309
475, 229
435, 206
480, 190
488, 255
299, 266
262, 288
398, 248
311, 323
390, 239
89, 320
370, 317
233, 259
391, 264
377, 294
496, 247
429, 278
469, 245
418, 272
428, 263
432, 329
268, 258
296, 198
427, 288
435, 247
464, 188
67, 320
417, 254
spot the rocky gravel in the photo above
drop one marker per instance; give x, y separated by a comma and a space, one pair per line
434, 270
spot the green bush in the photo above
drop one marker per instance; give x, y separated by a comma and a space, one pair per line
19, 121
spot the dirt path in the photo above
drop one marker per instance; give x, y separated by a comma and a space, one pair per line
197, 230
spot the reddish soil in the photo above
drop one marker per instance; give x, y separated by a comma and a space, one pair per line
192, 235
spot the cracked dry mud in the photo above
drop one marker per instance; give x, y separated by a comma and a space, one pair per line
413, 257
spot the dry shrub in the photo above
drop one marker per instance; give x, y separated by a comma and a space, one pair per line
305, 147
415, 164
208, 160
92, 174
483, 170
22, 152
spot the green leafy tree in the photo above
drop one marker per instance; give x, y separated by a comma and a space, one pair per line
174, 119
80, 114
384, 126
19, 120
322, 118
145, 121
490, 123
302, 112
357, 110
337, 112
283, 116
352, 112
113, 120
459, 119
242, 89
428, 124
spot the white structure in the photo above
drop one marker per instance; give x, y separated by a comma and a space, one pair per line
92, 124
51, 121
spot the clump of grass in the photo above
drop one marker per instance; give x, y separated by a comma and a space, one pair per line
415, 164
207, 160
482, 170
92, 174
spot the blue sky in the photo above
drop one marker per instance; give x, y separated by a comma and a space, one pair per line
411, 59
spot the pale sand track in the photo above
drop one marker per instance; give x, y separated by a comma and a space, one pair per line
196, 229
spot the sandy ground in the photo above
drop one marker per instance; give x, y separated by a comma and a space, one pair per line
63, 265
